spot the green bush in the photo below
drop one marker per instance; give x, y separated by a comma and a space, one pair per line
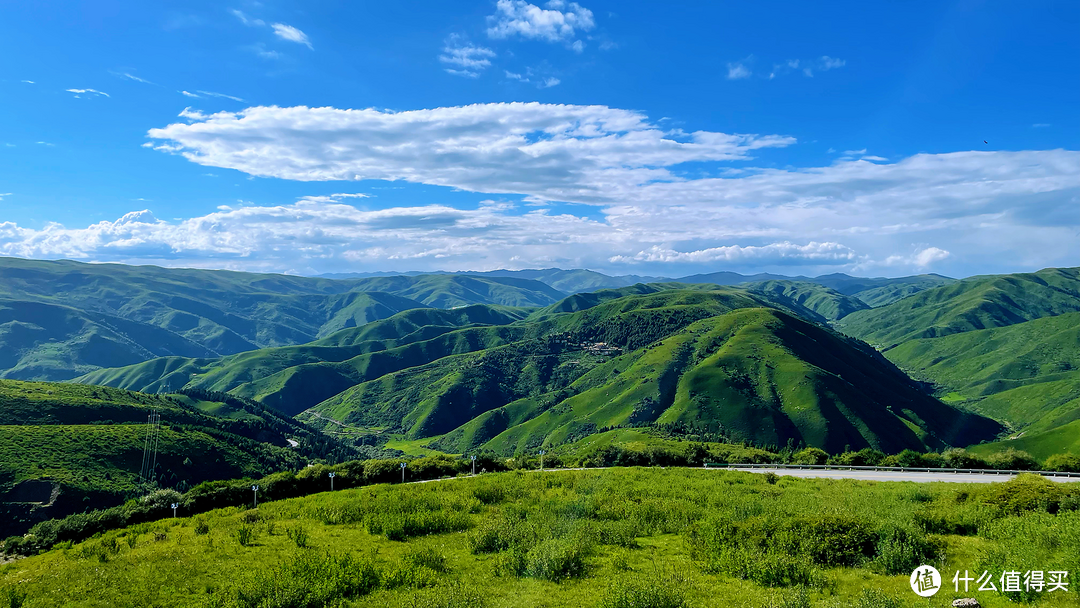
245, 535
810, 456
202, 526
306, 580
1012, 460
556, 559
426, 557
668, 591
795, 598
1029, 492
10, 597
298, 535
900, 550
1066, 463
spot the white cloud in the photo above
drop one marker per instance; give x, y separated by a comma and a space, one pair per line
3, 194
28, 81
222, 95
79, 92
874, 158
549, 82
513, 76
990, 210
44, 143
854, 152
331, 198
559, 22
469, 58
290, 33
775, 253
831, 63
737, 70
247, 20
549, 151
187, 94
130, 76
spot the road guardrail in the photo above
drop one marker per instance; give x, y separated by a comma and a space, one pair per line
842, 467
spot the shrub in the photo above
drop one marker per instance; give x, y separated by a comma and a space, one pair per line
959, 458
10, 597
308, 580
201, 526
866, 457
298, 535
1027, 492
245, 535
1013, 460
426, 557
900, 550
771, 478
796, 598
251, 516
1066, 463
161, 499
556, 559
810, 456
667, 591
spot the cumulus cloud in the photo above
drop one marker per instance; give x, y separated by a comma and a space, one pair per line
547, 151
559, 22
290, 33
969, 209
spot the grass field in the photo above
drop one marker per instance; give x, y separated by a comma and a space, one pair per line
617, 538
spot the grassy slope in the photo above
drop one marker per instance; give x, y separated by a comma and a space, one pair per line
1064, 439
296, 377
118, 315
760, 374
658, 508
971, 304
828, 303
89, 440
1027, 374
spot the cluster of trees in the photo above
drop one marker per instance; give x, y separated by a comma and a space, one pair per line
957, 458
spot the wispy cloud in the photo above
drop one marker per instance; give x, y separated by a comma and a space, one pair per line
854, 152
469, 59
250, 21
3, 194
290, 33
331, 198
737, 70
831, 63
91, 92
44, 143
187, 94
549, 82
560, 21
213, 94
541, 82
130, 76
28, 81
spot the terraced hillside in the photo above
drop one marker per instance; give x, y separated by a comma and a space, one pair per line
64, 447
60, 319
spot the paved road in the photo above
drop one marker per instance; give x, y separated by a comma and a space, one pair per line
894, 475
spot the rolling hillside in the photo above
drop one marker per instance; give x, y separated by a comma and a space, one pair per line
64, 448
759, 374
1027, 374
828, 303
60, 319
971, 304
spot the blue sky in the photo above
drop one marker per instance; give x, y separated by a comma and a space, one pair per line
626, 137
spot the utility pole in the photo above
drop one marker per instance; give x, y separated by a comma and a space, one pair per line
174, 506
332, 474
474, 465
542, 460
255, 490
403, 465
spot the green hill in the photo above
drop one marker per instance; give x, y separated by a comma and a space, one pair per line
1064, 439
759, 375
828, 303
64, 447
967, 305
60, 319
1027, 374
296, 377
